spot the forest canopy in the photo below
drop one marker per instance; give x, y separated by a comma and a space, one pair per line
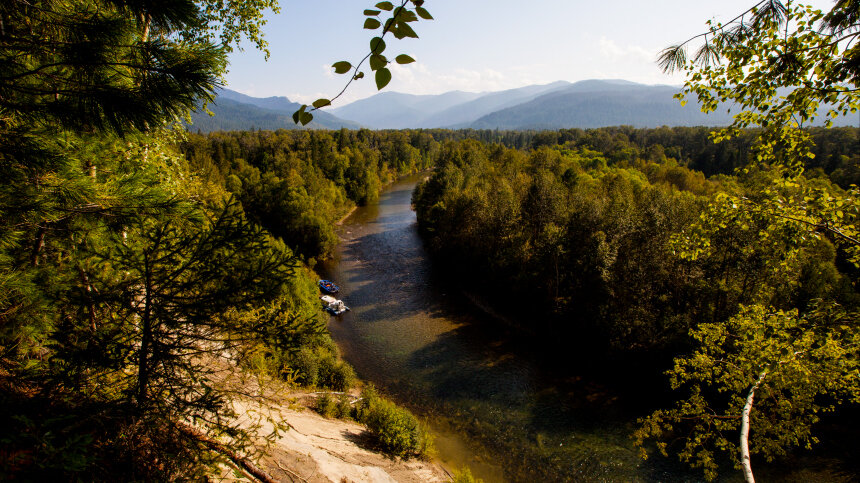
138, 260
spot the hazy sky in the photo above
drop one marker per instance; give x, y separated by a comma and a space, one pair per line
475, 45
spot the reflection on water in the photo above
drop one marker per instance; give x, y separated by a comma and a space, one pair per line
405, 335
489, 405
432, 351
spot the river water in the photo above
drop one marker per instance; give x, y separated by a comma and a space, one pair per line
433, 350
489, 396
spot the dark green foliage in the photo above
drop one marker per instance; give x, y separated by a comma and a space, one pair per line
318, 364
330, 407
603, 247
297, 184
584, 237
93, 54
344, 407
126, 283
326, 405
835, 149
334, 374
765, 374
61, 436
306, 366
396, 429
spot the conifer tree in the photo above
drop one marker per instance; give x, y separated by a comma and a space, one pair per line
120, 275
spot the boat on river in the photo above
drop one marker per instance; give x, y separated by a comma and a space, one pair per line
328, 286
333, 305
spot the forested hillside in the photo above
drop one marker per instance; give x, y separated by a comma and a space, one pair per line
579, 235
133, 282
606, 245
297, 184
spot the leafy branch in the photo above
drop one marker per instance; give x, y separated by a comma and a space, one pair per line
397, 25
674, 57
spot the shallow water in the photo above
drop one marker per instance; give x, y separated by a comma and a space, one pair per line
490, 402
480, 388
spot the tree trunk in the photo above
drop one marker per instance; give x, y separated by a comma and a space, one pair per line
38, 244
745, 429
147, 20
235, 457
146, 338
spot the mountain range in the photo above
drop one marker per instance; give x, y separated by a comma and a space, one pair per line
584, 104
234, 111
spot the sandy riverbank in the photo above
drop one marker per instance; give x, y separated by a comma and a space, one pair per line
316, 450
344, 217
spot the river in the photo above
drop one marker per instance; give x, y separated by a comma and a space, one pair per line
488, 403
490, 396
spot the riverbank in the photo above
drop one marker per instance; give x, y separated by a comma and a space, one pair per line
310, 448
344, 217
490, 394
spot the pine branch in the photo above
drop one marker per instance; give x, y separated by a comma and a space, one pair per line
221, 448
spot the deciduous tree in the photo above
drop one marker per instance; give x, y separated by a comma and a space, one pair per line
766, 373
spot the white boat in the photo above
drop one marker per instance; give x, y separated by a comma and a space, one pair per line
333, 305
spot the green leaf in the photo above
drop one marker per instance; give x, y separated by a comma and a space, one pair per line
402, 30
404, 59
321, 103
383, 77
406, 16
377, 62
371, 13
297, 116
423, 13
371, 24
377, 45
342, 67
306, 118
387, 6
360, 75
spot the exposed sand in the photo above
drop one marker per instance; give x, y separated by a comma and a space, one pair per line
316, 449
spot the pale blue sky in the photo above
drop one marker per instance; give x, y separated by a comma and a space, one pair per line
475, 45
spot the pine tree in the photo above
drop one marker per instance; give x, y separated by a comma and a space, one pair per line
121, 280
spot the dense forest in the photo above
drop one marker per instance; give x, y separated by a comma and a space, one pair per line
297, 184
608, 245
139, 263
135, 276
580, 233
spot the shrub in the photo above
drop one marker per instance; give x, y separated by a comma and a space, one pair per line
397, 430
465, 476
335, 374
326, 406
306, 364
344, 408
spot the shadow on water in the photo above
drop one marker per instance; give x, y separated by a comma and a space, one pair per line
481, 387
490, 395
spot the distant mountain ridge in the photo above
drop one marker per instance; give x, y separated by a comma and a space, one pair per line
583, 104
234, 111
394, 110
464, 114
592, 104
